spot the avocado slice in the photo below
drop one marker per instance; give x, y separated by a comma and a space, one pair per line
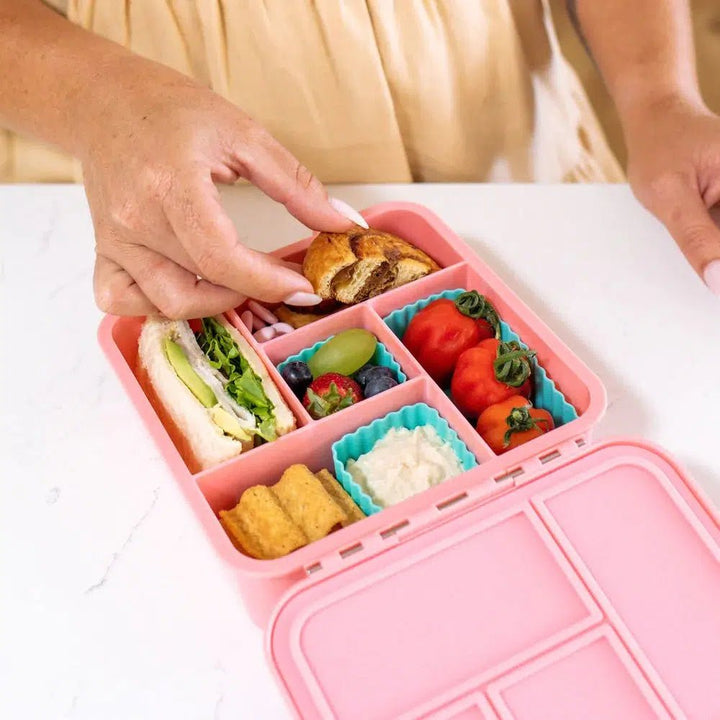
194, 383
229, 424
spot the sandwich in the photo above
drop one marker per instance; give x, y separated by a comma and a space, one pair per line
356, 265
210, 389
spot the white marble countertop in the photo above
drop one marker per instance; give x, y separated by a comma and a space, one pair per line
113, 603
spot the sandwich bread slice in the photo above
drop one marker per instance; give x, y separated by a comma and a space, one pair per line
210, 389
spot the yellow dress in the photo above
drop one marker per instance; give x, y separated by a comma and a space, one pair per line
369, 90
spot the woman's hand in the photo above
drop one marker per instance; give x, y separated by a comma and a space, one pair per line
674, 169
152, 143
149, 167
645, 52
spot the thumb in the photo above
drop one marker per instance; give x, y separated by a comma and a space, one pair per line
690, 223
275, 171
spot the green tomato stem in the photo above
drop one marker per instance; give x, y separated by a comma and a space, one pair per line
476, 306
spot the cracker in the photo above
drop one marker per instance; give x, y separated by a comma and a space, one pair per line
307, 502
261, 526
336, 491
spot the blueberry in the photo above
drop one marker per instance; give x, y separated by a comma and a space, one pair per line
298, 376
361, 375
378, 384
369, 372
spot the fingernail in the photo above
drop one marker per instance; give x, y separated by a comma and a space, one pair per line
302, 298
349, 212
711, 275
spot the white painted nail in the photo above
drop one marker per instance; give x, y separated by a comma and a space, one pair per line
349, 212
247, 320
262, 312
258, 323
267, 333
302, 299
282, 328
711, 275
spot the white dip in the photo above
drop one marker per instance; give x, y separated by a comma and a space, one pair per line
404, 463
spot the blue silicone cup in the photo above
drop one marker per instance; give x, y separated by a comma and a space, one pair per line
545, 393
355, 444
381, 356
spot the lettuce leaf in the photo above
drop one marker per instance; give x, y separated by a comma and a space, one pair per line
243, 384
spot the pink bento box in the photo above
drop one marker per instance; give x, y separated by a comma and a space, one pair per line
562, 579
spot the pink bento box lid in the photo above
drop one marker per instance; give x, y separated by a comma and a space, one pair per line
591, 592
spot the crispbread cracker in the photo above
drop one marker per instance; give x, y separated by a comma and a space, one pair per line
261, 526
270, 522
336, 491
306, 501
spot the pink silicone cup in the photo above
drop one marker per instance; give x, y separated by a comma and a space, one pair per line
262, 582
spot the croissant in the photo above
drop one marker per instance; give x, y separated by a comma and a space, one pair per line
356, 265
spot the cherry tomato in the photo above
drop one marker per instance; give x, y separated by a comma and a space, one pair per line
490, 373
512, 422
440, 332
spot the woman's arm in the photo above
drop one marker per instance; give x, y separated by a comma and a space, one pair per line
152, 142
645, 52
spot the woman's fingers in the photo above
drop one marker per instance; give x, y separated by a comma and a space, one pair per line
681, 208
174, 291
273, 169
116, 292
295, 267
210, 239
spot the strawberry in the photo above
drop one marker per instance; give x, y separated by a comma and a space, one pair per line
329, 393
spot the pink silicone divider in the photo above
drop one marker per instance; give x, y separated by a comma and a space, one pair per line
592, 677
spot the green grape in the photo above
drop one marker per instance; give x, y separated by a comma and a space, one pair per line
346, 353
